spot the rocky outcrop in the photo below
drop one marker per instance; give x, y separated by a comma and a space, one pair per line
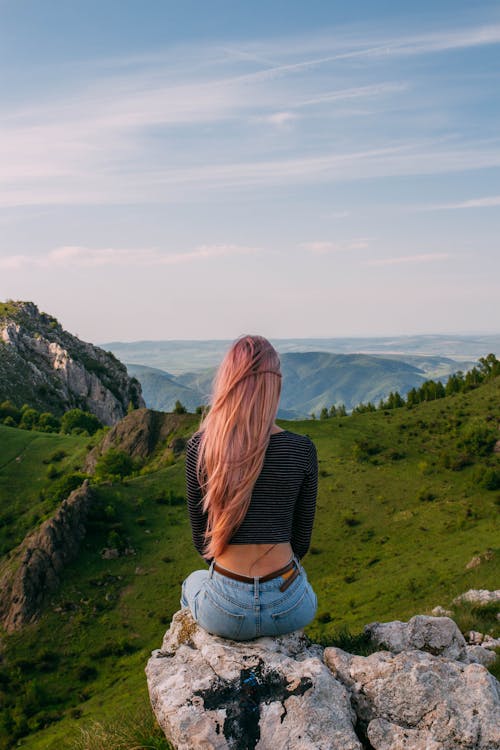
48, 368
216, 694
287, 693
32, 569
414, 700
139, 434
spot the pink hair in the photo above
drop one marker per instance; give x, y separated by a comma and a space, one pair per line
235, 434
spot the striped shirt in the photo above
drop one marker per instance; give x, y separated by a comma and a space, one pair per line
283, 500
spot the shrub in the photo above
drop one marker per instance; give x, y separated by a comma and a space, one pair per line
65, 485
29, 419
47, 422
114, 464
76, 419
179, 408
491, 479
479, 437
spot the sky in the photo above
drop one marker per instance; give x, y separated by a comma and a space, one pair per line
194, 170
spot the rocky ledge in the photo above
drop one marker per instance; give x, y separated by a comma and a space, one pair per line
32, 570
424, 692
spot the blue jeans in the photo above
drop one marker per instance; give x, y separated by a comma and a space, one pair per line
242, 611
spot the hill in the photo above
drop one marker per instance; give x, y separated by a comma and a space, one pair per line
311, 381
407, 519
48, 368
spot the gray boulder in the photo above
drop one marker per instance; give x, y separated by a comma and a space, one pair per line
417, 701
213, 693
437, 635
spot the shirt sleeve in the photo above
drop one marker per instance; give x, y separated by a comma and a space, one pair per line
305, 505
197, 517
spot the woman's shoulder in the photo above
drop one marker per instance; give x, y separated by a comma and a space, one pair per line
295, 438
194, 440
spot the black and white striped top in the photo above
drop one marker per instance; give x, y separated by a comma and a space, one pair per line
283, 499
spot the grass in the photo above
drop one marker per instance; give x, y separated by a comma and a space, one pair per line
137, 732
392, 538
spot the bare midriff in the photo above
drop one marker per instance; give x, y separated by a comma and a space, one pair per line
255, 559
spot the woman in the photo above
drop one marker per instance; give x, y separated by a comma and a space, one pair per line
251, 491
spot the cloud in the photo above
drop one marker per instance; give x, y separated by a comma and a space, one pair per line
136, 132
84, 257
423, 258
281, 118
488, 202
321, 247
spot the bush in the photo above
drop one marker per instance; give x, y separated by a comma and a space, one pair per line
47, 422
76, 419
114, 464
64, 486
179, 408
491, 479
479, 437
29, 419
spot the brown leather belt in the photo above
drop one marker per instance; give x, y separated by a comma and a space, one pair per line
289, 572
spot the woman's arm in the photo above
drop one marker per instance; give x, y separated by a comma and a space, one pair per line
305, 505
197, 517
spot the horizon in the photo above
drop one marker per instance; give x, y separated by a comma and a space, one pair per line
176, 172
459, 334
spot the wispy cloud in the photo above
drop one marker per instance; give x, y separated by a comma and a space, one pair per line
423, 258
84, 257
322, 247
487, 202
116, 140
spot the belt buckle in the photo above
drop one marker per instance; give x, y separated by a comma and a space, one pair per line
290, 576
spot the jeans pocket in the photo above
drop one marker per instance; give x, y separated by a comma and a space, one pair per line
213, 614
296, 616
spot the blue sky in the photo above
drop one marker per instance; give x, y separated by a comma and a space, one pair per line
201, 170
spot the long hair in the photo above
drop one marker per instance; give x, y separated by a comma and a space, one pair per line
235, 433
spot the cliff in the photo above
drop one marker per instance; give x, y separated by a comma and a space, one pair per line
48, 368
32, 570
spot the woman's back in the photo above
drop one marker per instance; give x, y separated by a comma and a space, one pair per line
279, 519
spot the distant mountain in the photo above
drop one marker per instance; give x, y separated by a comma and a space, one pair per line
161, 389
311, 381
180, 356
48, 368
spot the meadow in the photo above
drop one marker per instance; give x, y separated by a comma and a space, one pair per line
407, 497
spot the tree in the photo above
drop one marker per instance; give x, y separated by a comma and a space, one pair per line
114, 464
29, 419
76, 419
47, 422
179, 408
324, 413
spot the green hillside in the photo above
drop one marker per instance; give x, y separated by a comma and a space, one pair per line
406, 499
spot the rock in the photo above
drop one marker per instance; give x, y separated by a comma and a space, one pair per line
489, 642
437, 635
417, 701
32, 569
212, 693
478, 559
474, 637
50, 369
110, 553
441, 612
480, 655
139, 434
478, 596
